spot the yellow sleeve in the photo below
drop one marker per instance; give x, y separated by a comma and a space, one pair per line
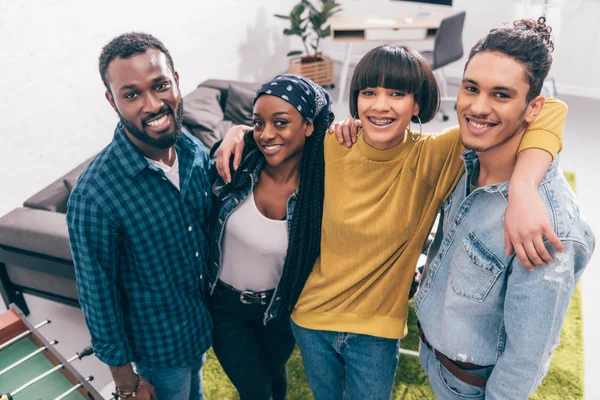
546, 132
438, 160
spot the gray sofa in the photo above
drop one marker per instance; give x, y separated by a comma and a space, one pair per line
35, 255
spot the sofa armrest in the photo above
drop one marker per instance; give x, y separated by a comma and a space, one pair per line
51, 198
38, 231
54, 196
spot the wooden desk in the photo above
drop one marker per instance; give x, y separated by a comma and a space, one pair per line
351, 29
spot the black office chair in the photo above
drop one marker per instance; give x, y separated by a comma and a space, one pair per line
447, 48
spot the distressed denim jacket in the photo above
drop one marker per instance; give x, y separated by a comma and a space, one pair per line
224, 209
476, 304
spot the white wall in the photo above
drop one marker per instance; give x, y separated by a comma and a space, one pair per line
52, 104
53, 110
576, 58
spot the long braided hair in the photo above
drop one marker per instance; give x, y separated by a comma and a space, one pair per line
304, 242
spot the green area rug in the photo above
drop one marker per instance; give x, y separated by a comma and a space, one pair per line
564, 380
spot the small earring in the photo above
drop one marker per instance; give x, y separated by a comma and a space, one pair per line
360, 131
416, 139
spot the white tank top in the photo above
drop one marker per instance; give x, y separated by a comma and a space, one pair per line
254, 249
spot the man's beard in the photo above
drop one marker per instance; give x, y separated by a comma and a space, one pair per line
166, 140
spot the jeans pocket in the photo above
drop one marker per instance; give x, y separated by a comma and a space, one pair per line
475, 270
459, 388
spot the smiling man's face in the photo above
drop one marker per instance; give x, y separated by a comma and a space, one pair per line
492, 102
144, 92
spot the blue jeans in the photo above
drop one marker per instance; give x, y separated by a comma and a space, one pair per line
445, 385
174, 382
347, 366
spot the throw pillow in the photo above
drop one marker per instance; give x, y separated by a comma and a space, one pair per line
202, 108
238, 108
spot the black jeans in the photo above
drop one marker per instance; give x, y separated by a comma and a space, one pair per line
253, 355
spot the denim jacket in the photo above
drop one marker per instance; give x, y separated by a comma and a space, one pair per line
476, 304
225, 207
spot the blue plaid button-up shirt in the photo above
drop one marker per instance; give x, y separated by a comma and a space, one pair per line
140, 249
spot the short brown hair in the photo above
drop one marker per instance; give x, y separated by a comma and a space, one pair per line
401, 68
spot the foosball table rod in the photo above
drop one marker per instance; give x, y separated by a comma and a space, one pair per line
9, 396
27, 357
23, 335
74, 388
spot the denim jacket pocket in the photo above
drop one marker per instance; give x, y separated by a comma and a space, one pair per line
475, 270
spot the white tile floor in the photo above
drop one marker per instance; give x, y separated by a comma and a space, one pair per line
580, 155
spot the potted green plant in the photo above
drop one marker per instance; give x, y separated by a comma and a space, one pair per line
310, 23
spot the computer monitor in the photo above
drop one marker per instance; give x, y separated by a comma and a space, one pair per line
438, 2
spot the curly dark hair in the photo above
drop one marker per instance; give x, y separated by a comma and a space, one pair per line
127, 45
526, 40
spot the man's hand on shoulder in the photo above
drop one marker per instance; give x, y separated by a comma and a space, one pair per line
346, 131
526, 223
232, 144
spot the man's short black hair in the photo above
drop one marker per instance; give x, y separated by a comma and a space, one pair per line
127, 45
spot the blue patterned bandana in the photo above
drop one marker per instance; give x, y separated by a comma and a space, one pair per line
310, 99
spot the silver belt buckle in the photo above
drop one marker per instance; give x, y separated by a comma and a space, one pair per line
244, 293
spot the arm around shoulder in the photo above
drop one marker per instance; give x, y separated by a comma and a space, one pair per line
546, 132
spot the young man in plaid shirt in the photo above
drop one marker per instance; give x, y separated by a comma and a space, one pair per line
137, 220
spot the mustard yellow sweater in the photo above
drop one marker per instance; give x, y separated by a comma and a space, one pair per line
379, 208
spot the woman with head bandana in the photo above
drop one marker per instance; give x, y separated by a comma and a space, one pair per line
274, 198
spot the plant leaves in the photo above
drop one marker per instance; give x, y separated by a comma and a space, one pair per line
294, 53
282, 16
298, 10
315, 20
313, 9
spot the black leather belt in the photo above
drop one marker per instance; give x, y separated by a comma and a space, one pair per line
248, 296
457, 368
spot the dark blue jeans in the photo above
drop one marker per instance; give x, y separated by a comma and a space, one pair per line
174, 383
347, 365
253, 355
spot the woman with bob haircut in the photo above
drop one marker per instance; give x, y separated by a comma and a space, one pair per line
381, 199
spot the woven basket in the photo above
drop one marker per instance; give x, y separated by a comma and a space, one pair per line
320, 72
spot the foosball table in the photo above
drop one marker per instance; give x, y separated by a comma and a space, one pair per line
32, 369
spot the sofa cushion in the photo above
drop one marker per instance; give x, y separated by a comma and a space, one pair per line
223, 86
38, 231
48, 282
202, 108
238, 108
209, 138
54, 196
69, 182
